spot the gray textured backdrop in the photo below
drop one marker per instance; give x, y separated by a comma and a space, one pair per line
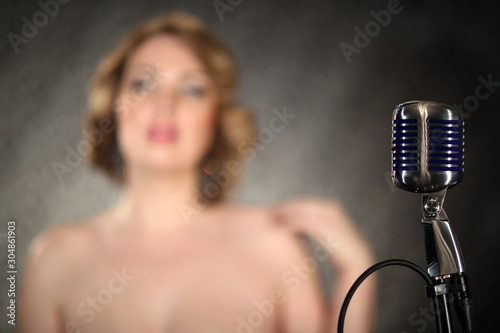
337, 146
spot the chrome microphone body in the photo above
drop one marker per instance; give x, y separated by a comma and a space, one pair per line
428, 158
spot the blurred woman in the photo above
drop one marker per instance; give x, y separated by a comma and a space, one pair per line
174, 255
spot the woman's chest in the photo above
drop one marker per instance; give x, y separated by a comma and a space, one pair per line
217, 288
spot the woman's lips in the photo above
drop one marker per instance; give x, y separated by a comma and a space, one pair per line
162, 133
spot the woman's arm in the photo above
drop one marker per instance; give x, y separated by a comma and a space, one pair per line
360, 316
41, 284
348, 251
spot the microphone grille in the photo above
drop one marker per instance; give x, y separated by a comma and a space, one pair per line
446, 145
427, 146
405, 149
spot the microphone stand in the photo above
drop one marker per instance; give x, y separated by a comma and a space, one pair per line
445, 277
445, 266
427, 158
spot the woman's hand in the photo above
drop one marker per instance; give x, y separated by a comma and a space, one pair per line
329, 224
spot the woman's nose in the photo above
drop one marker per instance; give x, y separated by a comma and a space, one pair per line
165, 102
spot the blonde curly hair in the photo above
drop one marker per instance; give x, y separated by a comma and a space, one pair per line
235, 125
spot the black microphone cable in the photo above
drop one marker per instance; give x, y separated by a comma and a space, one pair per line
458, 286
367, 273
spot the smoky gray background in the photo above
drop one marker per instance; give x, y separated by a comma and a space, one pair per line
338, 146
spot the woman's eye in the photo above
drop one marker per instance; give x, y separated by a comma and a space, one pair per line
195, 91
143, 85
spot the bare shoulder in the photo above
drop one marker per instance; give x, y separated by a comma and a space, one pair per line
309, 204
69, 242
53, 263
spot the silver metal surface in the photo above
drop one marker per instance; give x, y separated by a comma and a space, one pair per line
435, 199
423, 172
447, 257
444, 255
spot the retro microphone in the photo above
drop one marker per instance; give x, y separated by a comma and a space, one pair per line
428, 158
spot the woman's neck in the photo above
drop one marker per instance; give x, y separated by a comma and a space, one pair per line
160, 201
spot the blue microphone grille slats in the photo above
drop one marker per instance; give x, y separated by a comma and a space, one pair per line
427, 146
445, 145
405, 151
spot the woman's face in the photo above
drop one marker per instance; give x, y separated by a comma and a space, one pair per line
166, 107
